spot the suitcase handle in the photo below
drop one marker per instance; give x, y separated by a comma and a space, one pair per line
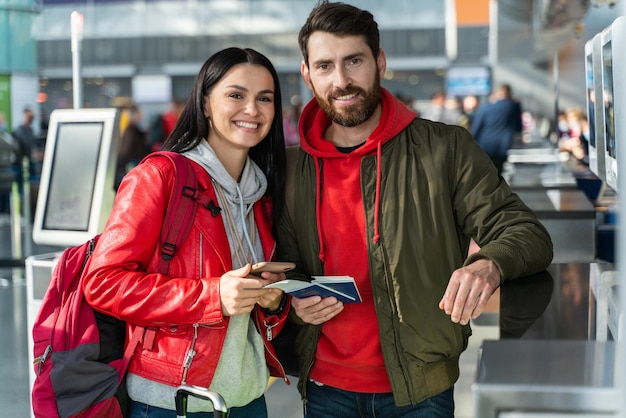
183, 391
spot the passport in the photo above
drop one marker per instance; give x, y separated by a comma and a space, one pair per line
344, 288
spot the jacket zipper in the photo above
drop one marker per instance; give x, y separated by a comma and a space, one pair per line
396, 344
265, 345
39, 360
308, 371
190, 354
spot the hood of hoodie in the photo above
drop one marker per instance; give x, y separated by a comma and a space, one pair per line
240, 197
252, 185
395, 117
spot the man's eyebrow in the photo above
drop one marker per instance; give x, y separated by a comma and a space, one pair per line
321, 61
352, 56
343, 59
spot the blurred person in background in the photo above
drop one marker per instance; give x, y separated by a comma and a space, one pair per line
9, 152
163, 124
9, 148
496, 125
576, 139
443, 109
133, 144
30, 145
290, 125
170, 117
470, 105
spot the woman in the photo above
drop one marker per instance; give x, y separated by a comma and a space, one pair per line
213, 316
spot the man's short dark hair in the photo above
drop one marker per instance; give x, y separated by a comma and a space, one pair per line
340, 19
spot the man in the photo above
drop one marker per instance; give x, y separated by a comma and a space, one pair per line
30, 146
496, 123
9, 151
391, 200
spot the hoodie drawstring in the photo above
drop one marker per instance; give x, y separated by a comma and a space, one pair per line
318, 208
244, 213
318, 200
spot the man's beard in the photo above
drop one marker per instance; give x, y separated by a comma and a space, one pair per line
356, 114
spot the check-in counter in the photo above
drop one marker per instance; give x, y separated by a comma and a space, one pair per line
546, 168
562, 378
553, 175
546, 362
561, 193
537, 164
570, 218
556, 304
535, 154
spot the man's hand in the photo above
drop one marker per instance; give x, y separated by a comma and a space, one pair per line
316, 310
469, 290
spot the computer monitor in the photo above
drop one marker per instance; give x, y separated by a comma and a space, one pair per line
595, 108
613, 94
76, 190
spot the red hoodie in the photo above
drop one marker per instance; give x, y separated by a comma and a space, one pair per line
348, 354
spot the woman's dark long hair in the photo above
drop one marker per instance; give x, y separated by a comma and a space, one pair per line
193, 127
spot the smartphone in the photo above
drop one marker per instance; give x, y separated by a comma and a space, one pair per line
272, 266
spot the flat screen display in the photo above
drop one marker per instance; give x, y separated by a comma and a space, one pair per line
76, 191
70, 196
609, 119
591, 98
608, 97
614, 98
595, 107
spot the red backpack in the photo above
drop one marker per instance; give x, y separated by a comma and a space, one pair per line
80, 359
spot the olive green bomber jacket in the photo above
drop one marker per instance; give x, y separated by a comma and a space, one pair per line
438, 190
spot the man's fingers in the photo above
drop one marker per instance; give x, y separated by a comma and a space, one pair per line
304, 303
447, 302
316, 310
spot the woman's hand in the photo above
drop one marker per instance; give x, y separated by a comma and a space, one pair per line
239, 291
271, 298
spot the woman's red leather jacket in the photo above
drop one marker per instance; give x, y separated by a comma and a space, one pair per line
185, 305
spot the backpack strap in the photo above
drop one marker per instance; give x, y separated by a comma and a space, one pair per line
179, 217
181, 209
